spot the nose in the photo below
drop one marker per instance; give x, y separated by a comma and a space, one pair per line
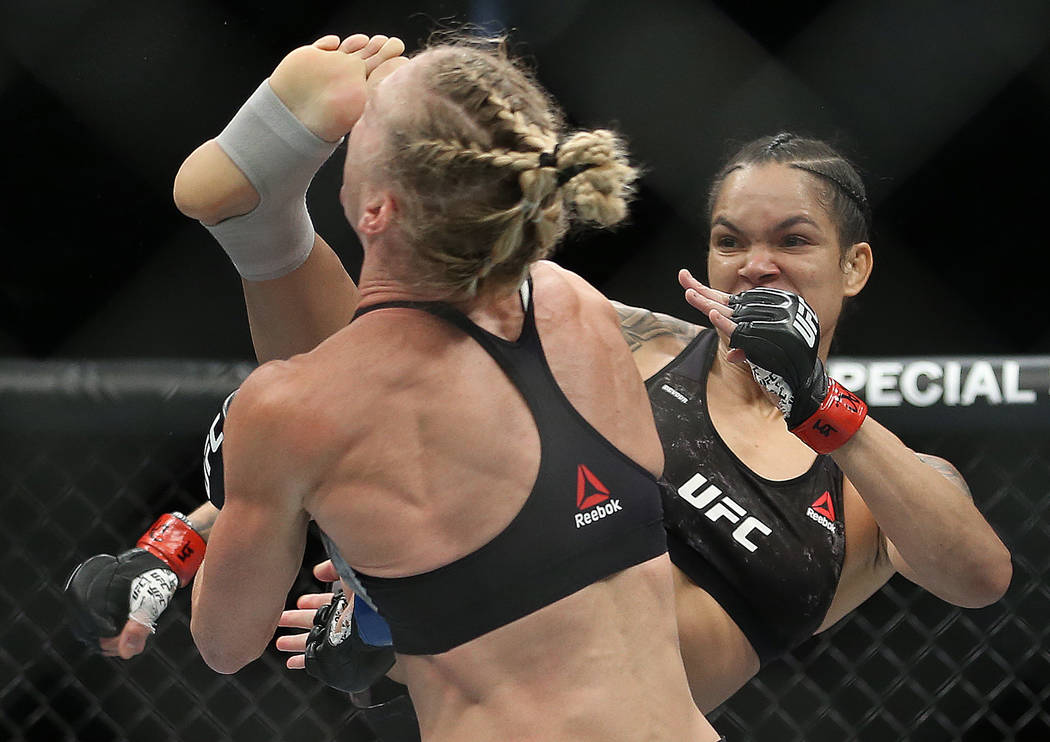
759, 267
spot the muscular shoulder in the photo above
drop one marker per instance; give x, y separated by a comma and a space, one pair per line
654, 338
642, 327
270, 409
265, 394
570, 290
253, 436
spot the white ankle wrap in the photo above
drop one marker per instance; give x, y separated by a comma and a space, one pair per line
279, 156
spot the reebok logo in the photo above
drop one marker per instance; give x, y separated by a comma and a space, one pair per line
593, 497
823, 506
822, 511
589, 489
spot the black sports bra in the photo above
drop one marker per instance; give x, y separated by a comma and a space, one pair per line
592, 512
770, 552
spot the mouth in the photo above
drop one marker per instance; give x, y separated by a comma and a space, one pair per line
742, 286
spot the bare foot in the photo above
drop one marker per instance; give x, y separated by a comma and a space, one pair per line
325, 85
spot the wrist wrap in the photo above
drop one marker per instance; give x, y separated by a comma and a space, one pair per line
836, 420
172, 540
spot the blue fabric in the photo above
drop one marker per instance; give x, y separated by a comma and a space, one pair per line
371, 626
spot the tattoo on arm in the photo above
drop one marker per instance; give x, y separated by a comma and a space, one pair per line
641, 325
945, 469
203, 518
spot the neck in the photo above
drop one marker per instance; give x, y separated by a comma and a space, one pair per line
389, 273
378, 287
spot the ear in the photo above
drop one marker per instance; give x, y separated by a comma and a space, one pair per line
377, 214
857, 268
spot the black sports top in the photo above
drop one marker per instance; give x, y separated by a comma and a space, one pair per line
770, 552
592, 512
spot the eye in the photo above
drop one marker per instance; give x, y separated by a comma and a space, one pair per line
795, 240
726, 242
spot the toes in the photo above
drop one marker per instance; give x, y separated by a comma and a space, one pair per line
354, 43
328, 43
392, 48
373, 46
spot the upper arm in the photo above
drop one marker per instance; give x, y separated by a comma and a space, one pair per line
946, 470
654, 338
888, 553
257, 542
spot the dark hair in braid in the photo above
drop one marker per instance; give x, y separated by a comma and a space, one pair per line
843, 194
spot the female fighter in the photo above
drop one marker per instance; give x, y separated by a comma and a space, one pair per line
476, 443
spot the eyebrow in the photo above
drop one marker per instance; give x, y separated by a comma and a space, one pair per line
725, 223
789, 222
793, 220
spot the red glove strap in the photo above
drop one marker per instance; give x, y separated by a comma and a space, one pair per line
835, 421
174, 542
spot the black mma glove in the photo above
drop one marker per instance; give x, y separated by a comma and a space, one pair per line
387, 709
106, 590
779, 332
336, 654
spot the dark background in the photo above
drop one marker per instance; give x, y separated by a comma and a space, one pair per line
107, 294
944, 105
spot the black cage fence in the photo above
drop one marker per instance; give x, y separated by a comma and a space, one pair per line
91, 453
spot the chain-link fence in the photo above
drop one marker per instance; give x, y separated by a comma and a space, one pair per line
92, 453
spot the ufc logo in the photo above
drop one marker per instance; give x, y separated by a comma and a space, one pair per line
725, 508
806, 323
211, 445
213, 441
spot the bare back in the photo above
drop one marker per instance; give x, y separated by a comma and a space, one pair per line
433, 453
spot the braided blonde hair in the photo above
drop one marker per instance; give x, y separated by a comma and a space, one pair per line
489, 180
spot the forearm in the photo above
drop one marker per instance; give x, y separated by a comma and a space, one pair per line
928, 517
203, 518
238, 596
